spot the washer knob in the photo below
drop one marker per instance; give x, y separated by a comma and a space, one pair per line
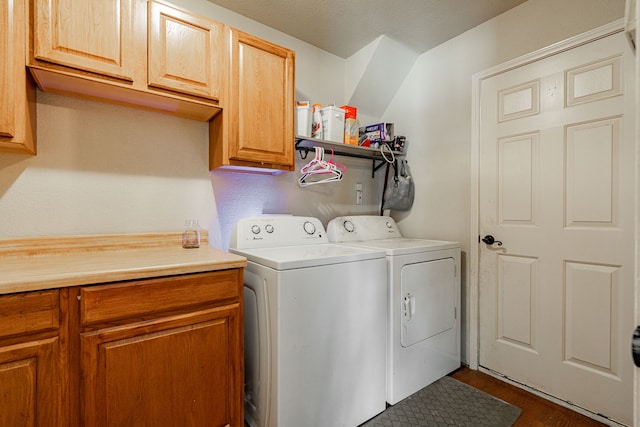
348, 225
255, 229
268, 228
308, 227
388, 224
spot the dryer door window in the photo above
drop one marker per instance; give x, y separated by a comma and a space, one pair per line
427, 300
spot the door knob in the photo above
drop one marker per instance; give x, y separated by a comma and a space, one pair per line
489, 240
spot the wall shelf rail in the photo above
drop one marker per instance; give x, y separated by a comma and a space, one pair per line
306, 144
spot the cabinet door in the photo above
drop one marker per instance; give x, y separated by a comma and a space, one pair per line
182, 370
185, 51
261, 101
30, 384
32, 370
17, 102
7, 70
95, 36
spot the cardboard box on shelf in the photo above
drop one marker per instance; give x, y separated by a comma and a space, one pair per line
350, 112
398, 143
351, 130
377, 132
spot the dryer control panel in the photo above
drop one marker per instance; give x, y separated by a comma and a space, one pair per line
362, 227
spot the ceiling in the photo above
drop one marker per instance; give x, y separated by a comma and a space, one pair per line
343, 27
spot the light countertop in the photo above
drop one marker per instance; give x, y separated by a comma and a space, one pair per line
54, 262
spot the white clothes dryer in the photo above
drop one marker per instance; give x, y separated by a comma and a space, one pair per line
423, 340
314, 325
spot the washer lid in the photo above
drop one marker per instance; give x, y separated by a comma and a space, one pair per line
292, 257
405, 246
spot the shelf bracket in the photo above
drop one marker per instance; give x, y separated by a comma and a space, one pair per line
301, 151
375, 168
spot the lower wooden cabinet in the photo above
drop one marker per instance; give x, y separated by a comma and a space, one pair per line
176, 371
29, 384
155, 352
164, 351
33, 364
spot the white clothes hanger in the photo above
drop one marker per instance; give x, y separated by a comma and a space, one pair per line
326, 171
317, 163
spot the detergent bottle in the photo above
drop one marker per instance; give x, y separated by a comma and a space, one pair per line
316, 122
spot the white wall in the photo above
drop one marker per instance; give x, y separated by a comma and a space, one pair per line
105, 169
108, 169
433, 108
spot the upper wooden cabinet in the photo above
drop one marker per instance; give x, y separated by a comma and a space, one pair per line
95, 36
256, 128
149, 55
18, 99
185, 52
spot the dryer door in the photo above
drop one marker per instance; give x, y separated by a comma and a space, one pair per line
427, 299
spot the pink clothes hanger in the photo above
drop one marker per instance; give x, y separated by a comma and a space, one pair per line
339, 166
329, 171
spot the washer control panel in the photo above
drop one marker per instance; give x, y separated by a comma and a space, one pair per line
362, 227
271, 231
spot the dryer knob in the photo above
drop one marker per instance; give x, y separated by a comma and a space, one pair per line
308, 227
255, 229
388, 224
268, 228
348, 225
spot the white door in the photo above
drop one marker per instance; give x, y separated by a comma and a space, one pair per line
633, 17
556, 180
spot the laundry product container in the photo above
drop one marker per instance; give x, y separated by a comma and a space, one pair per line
333, 123
303, 118
351, 128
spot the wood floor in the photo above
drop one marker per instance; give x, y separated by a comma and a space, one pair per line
536, 411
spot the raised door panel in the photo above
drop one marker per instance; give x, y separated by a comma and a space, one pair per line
262, 95
185, 52
183, 370
94, 36
30, 384
17, 103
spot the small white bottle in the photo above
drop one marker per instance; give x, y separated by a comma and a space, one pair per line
191, 234
303, 118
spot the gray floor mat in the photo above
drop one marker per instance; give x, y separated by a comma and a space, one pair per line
447, 402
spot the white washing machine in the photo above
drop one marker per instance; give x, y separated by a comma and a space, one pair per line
423, 342
315, 329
